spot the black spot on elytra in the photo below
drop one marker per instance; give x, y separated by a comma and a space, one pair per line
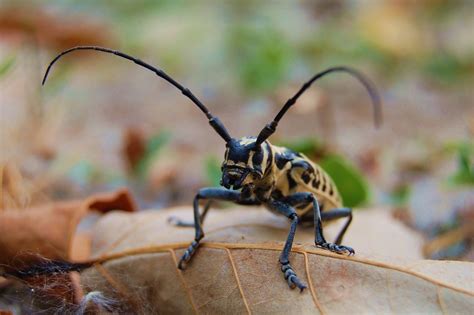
291, 181
316, 183
308, 169
331, 190
305, 177
280, 161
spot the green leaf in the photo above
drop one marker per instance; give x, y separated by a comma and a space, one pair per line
6, 65
465, 172
400, 195
213, 170
153, 146
350, 182
446, 69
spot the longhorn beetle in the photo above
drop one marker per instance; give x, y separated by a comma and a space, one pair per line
255, 172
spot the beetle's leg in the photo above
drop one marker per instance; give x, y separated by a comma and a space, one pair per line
289, 273
181, 223
302, 197
337, 214
319, 238
205, 193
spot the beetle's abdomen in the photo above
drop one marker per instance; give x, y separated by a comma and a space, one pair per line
297, 173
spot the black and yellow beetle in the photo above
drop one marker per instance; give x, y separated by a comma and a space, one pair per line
255, 172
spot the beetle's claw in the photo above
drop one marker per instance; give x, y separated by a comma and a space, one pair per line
339, 249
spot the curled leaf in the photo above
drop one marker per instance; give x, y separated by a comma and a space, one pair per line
49, 231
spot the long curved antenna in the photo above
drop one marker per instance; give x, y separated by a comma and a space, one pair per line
213, 121
270, 128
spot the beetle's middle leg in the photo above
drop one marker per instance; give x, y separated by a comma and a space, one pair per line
204, 193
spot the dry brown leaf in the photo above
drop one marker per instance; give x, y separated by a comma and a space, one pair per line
236, 270
50, 230
13, 187
134, 147
59, 30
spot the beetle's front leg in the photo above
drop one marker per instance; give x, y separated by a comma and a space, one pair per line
289, 273
205, 193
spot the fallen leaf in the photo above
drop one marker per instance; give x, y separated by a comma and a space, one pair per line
59, 30
134, 147
49, 231
13, 189
236, 269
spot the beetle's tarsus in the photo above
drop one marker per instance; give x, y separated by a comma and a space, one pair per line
175, 221
291, 277
339, 249
188, 254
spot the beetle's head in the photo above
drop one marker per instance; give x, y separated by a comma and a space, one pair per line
244, 162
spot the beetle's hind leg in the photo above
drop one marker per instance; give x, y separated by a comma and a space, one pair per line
181, 223
337, 214
319, 239
302, 198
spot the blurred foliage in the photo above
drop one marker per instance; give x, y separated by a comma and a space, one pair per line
465, 171
350, 182
252, 40
58, 80
332, 44
83, 173
153, 146
447, 69
6, 65
120, 8
262, 55
213, 171
400, 195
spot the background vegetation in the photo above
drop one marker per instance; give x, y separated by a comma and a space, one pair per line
101, 122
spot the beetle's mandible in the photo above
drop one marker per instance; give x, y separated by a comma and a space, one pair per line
255, 172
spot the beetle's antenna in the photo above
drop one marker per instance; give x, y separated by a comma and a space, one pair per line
213, 121
270, 128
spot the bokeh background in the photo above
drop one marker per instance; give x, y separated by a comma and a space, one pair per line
102, 122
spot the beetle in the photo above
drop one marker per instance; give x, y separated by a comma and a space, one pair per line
255, 172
